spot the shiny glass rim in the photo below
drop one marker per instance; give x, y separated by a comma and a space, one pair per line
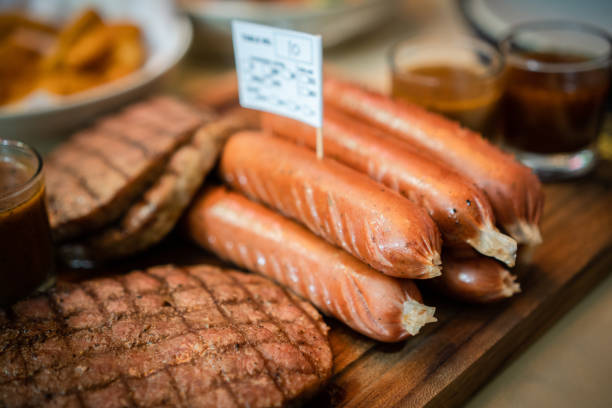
466, 43
32, 180
556, 67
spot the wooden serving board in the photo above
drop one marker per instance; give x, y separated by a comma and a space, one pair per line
450, 359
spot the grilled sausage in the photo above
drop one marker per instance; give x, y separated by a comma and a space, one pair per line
346, 208
461, 211
513, 190
252, 236
475, 280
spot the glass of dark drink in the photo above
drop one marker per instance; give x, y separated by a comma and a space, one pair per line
26, 252
558, 79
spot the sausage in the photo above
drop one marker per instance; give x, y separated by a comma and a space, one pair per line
475, 280
514, 191
346, 208
459, 208
261, 240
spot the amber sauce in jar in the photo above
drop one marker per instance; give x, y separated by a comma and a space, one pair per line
26, 252
553, 112
457, 92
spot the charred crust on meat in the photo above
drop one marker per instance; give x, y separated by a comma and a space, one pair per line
112, 366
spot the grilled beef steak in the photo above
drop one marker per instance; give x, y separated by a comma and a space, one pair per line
99, 172
198, 336
149, 219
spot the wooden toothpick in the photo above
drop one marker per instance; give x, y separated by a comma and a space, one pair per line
319, 143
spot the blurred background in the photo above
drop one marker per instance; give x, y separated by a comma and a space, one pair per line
151, 37
63, 62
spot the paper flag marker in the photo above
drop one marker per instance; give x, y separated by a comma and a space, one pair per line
280, 71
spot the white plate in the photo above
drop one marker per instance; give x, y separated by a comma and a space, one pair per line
41, 117
335, 23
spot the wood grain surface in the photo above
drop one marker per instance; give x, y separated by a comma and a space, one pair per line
450, 359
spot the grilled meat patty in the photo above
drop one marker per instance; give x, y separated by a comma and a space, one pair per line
196, 336
150, 218
93, 177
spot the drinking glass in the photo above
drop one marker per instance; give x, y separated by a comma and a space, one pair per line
460, 78
558, 78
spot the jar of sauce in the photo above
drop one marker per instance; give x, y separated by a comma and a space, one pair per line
558, 79
26, 251
461, 80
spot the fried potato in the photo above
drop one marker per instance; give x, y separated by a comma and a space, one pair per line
18, 71
86, 21
91, 49
39, 42
67, 82
15, 57
18, 88
8, 22
12, 21
85, 53
128, 53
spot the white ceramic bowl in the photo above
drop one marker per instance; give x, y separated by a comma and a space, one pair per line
336, 23
44, 117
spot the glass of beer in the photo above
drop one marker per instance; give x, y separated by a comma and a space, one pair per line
26, 252
460, 79
558, 78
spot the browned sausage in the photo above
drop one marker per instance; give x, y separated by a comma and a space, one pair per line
459, 208
513, 190
346, 208
475, 280
259, 239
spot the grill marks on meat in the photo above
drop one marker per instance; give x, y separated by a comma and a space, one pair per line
93, 177
126, 158
149, 219
196, 336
